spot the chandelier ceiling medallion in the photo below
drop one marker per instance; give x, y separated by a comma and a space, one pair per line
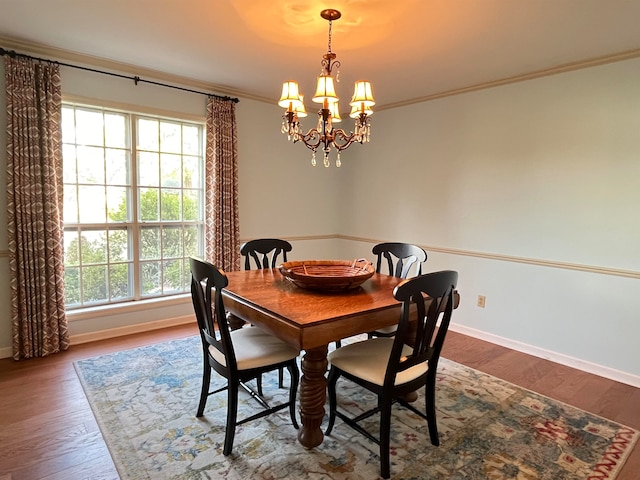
325, 136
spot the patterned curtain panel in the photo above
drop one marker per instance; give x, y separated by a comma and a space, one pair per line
34, 208
222, 230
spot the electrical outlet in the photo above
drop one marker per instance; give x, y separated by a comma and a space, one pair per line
481, 301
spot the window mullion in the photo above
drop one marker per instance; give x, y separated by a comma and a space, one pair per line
135, 223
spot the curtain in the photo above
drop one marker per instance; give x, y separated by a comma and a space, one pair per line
34, 208
222, 230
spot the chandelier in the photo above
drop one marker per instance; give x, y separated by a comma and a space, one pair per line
325, 135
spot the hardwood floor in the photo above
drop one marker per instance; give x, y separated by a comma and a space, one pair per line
47, 429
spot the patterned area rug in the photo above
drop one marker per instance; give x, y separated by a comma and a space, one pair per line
145, 401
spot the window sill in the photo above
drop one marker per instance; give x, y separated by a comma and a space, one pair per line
128, 307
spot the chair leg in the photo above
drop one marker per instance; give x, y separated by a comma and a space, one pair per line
259, 385
430, 404
294, 375
385, 433
281, 377
204, 391
331, 393
232, 413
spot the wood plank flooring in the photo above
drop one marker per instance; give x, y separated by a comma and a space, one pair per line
48, 432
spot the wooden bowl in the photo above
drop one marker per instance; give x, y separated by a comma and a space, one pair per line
328, 275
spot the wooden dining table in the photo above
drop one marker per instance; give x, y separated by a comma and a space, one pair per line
310, 320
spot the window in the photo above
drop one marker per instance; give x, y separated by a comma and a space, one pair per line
133, 204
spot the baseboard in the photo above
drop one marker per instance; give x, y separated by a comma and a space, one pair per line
610, 373
80, 338
562, 359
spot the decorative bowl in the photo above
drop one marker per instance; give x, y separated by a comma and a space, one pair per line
328, 275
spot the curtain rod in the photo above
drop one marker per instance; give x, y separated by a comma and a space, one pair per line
135, 79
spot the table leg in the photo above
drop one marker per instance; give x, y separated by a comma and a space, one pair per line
313, 393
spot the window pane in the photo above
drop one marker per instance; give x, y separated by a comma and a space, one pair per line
190, 140
117, 204
150, 243
171, 242
71, 247
172, 276
149, 169
186, 274
119, 284
170, 206
149, 204
89, 127
69, 172
93, 246
94, 284
91, 165
170, 137
117, 167
190, 205
70, 205
191, 241
115, 130
150, 278
148, 134
171, 170
68, 125
92, 203
191, 172
118, 246
71, 286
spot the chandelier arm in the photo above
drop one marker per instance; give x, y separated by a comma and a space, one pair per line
346, 139
312, 139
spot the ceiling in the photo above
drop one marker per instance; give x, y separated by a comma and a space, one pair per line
409, 49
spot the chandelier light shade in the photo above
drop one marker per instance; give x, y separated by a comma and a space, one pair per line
290, 98
325, 136
362, 95
335, 112
300, 110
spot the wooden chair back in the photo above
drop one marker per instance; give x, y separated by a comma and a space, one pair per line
207, 283
265, 252
400, 257
417, 326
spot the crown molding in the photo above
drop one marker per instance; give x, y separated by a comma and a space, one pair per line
101, 63
83, 60
567, 67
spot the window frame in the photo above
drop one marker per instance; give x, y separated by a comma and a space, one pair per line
134, 222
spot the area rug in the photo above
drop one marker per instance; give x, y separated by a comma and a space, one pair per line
145, 400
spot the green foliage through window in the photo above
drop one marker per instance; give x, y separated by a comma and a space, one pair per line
130, 226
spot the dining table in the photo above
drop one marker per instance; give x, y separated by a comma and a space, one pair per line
311, 320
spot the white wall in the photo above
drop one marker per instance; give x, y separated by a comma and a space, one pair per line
281, 194
545, 171
516, 187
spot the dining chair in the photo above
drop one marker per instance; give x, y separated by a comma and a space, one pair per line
393, 367
399, 258
237, 355
265, 253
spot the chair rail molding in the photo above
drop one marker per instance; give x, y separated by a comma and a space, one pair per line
512, 258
